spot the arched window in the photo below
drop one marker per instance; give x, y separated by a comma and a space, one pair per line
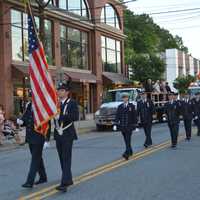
109, 16
78, 7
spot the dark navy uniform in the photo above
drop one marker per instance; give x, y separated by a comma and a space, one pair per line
187, 112
172, 110
36, 142
145, 110
196, 109
69, 114
126, 120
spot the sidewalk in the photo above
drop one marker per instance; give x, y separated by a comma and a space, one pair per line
82, 127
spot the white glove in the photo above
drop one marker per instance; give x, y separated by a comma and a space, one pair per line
114, 128
46, 145
137, 130
196, 117
20, 122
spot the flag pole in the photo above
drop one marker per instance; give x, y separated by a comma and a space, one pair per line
33, 19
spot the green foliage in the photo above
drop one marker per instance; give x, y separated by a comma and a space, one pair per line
183, 82
147, 66
145, 41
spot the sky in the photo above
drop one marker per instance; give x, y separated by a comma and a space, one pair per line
185, 24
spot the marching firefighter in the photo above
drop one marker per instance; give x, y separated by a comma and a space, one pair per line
145, 110
172, 110
126, 120
187, 112
65, 133
36, 142
196, 108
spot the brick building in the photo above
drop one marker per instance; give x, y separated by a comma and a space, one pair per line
83, 39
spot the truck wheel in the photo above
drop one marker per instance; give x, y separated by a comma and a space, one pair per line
100, 127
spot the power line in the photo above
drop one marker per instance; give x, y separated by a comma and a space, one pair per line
174, 11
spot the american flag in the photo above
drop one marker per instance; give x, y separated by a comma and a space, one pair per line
44, 97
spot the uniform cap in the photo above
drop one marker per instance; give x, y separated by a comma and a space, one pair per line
63, 86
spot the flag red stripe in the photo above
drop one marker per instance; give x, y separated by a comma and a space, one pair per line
37, 108
44, 78
40, 93
42, 53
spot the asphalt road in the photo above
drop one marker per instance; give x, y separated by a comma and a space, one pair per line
157, 175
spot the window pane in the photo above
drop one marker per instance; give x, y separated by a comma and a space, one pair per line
48, 42
74, 6
85, 56
118, 46
74, 52
103, 15
25, 21
119, 61
74, 35
63, 4
17, 43
110, 44
63, 46
63, 31
110, 15
111, 61
84, 38
84, 9
103, 41
16, 18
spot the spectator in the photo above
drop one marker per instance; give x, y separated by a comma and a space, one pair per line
10, 130
163, 87
148, 86
167, 87
156, 87
1, 123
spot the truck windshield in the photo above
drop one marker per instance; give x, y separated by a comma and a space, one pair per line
114, 96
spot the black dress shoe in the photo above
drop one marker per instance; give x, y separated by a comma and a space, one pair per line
40, 181
173, 147
61, 188
27, 185
125, 156
146, 146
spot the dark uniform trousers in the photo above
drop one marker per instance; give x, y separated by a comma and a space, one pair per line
196, 108
64, 143
36, 143
127, 134
65, 155
174, 130
37, 164
187, 111
147, 131
173, 112
145, 110
126, 119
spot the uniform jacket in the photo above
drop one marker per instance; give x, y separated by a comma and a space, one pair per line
172, 111
32, 137
126, 117
145, 111
196, 108
187, 109
71, 114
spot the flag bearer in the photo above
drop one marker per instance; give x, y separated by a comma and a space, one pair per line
65, 134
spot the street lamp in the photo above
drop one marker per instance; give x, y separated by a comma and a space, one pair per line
43, 3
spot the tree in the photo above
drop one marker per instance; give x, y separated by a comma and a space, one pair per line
183, 82
147, 66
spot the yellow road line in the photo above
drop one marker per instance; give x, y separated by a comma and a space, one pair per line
49, 191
